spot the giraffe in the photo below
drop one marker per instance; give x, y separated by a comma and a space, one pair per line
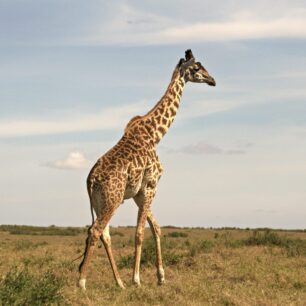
131, 169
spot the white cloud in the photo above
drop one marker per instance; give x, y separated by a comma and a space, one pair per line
164, 23
75, 160
131, 26
201, 148
205, 148
110, 118
127, 25
265, 211
209, 106
235, 30
247, 97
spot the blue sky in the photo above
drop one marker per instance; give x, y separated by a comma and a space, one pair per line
73, 73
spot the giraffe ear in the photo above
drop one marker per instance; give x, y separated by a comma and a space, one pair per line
188, 54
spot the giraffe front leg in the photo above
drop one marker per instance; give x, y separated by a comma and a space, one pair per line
141, 220
156, 231
106, 239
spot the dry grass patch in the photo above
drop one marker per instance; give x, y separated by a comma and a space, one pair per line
202, 266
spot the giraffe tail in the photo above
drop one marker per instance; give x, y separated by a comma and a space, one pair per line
73, 260
87, 239
90, 183
92, 213
89, 188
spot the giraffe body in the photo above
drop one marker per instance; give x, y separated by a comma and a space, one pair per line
131, 169
123, 172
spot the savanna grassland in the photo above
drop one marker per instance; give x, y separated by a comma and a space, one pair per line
202, 266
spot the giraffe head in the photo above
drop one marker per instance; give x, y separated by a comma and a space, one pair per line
193, 71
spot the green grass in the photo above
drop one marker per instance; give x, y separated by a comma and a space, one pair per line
26, 244
177, 234
293, 247
21, 287
202, 267
39, 230
148, 256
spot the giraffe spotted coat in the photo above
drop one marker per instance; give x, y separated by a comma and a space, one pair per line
131, 169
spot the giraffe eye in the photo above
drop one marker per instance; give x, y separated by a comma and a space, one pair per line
196, 68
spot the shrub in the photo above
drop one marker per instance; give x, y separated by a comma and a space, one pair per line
187, 243
21, 245
126, 262
193, 251
176, 234
293, 247
148, 256
172, 258
265, 238
40, 230
296, 247
20, 287
233, 243
298, 285
206, 245
39, 261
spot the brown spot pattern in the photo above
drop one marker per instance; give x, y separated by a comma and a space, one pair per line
131, 169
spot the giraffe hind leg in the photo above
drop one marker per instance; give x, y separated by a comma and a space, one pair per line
93, 235
94, 232
86, 246
104, 211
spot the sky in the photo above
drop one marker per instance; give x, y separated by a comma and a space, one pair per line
72, 74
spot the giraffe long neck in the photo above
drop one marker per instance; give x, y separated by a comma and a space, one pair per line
161, 116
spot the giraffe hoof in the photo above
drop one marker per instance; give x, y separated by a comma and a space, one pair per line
136, 283
120, 284
82, 283
136, 280
161, 282
161, 276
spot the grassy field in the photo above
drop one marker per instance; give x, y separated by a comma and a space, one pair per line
202, 266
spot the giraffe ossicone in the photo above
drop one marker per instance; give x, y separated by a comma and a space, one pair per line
131, 169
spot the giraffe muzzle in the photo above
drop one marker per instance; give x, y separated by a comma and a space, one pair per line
211, 81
